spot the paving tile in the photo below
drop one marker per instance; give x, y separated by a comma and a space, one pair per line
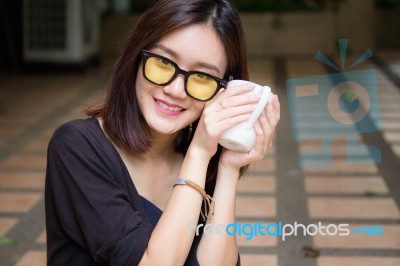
6, 224
345, 185
357, 261
18, 202
36, 145
255, 183
390, 107
61, 121
95, 98
27, 107
33, 258
391, 125
79, 111
248, 238
42, 238
21, 120
392, 136
371, 208
21, 179
10, 131
255, 206
344, 167
266, 165
396, 149
390, 116
338, 149
389, 240
48, 133
49, 100
258, 260
22, 161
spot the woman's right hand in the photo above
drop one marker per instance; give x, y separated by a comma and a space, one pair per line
228, 108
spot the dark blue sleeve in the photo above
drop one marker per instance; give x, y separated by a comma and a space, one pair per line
92, 208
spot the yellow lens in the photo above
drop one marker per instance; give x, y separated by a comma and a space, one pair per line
159, 70
201, 86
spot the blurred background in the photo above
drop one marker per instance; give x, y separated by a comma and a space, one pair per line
76, 31
55, 60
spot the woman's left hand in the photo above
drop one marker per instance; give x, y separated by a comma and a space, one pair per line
265, 129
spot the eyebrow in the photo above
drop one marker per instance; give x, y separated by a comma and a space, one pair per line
200, 64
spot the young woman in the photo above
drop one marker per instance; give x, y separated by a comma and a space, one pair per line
128, 185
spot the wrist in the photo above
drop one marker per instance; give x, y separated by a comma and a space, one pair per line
229, 170
195, 160
228, 173
198, 154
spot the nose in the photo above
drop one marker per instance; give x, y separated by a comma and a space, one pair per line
176, 88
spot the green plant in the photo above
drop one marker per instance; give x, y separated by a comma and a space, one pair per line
6, 241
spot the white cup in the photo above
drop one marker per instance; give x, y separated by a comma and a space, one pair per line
242, 136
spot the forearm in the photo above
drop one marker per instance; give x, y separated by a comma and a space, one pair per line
214, 248
171, 239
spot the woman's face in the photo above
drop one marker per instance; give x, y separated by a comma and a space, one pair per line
167, 109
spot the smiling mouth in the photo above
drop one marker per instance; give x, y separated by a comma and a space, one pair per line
168, 107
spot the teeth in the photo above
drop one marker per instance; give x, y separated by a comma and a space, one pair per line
170, 108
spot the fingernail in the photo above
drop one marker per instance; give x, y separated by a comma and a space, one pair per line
252, 86
256, 97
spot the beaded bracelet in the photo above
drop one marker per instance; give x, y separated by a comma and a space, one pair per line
209, 203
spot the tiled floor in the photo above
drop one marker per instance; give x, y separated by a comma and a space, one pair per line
274, 190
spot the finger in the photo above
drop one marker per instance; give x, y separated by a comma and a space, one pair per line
238, 100
258, 128
218, 121
271, 116
268, 133
239, 89
234, 90
277, 107
213, 100
258, 149
214, 115
214, 128
220, 101
234, 111
266, 126
225, 124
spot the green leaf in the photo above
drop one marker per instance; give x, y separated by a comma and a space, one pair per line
6, 241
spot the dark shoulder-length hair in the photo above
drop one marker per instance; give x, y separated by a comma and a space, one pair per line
122, 117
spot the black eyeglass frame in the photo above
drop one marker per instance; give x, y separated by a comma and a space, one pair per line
221, 83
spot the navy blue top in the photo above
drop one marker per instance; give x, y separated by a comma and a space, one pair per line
152, 211
94, 214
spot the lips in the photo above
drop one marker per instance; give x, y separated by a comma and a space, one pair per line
169, 108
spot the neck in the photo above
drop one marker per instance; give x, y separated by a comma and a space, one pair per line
162, 148
161, 163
